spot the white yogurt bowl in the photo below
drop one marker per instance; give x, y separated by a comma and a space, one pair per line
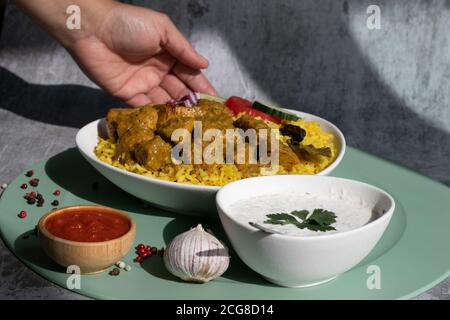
299, 261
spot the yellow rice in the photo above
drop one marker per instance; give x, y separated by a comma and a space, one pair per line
221, 174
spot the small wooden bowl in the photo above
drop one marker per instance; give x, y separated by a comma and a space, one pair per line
91, 257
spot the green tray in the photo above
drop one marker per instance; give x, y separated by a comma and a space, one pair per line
413, 254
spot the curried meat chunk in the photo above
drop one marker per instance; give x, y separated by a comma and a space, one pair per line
215, 116
167, 112
203, 109
245, 165
166, 129
219, 124
246, 122
287, 157
216, 123
129, 140
153, 154
145, 117
113, 117
213, 110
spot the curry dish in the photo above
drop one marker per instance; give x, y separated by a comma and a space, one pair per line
140, 140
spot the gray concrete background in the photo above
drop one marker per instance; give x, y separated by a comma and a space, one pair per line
388, 89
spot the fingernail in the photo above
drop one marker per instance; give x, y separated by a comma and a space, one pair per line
212, 92
204, 60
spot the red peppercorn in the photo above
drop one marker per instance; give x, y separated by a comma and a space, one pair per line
148, 248
146, 254
24, 186
141, 251
30, 196
57, 193
140, 246
139, 259
22, 214
34, 182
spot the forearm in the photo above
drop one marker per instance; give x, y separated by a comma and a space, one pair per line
52, 15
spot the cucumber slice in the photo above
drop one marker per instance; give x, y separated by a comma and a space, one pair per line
274, 111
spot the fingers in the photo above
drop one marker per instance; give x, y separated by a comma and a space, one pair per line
158, 95
187, 69
194, 79
140, 82
138, 100
178, 46
174, 86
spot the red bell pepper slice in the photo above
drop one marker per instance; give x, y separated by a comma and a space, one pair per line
238, 105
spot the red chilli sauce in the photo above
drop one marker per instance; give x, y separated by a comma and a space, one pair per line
87, 225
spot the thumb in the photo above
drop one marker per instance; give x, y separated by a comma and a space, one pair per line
179, 47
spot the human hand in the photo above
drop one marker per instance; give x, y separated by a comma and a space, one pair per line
138, 55
134, 53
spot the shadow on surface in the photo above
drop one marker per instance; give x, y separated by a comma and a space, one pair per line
64, 105
73, 173
26, 247
237, 271
394, 232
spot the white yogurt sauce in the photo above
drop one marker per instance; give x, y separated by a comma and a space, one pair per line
351, 212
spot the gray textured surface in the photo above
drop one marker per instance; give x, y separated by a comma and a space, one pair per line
386, 89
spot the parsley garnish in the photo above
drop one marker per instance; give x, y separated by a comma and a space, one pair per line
319, 220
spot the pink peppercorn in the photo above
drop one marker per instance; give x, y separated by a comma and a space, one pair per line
142, 251
22, 214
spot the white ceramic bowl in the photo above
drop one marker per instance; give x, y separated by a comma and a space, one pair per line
298, 261
183, 198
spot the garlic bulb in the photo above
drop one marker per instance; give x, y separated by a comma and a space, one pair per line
196, 256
